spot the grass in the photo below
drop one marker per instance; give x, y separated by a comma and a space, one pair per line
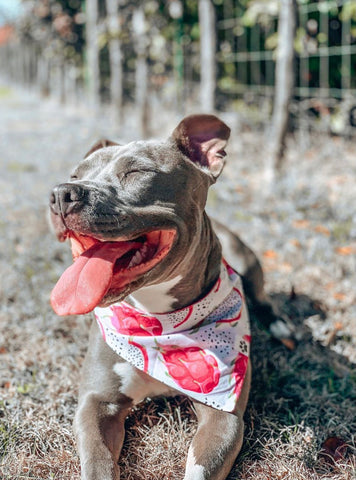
299, 398
19, 167
5, 92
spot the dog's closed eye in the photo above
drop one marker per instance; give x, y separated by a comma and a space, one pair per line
131, 174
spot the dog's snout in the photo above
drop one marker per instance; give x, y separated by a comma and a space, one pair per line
67, 197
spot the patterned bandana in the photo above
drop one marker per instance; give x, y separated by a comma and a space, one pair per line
201, 350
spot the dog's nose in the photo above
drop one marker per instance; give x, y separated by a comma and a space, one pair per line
66, 198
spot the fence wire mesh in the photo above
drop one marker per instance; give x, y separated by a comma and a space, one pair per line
325, 61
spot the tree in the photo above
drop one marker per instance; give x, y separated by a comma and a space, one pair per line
92, 45
139, 26
283, 85
207, 55
115, 56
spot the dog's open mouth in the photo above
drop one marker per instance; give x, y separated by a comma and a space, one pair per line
100, 267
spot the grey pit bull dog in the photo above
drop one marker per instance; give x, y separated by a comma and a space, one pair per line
142, 243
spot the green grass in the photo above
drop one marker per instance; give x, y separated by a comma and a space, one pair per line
18, 167
5, 92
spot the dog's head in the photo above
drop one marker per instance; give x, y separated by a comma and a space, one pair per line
133, 212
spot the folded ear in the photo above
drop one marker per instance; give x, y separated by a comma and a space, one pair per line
203, 138
100, 144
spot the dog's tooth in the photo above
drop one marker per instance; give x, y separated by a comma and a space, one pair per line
139, 256
136, 259
144, 250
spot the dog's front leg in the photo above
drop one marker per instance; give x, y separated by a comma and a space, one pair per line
100, 435
99, 421
218, 439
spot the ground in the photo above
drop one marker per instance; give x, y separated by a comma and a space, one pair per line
301, 417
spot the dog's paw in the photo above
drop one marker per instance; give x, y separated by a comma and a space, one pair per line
100, 467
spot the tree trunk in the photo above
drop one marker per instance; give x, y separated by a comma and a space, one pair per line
142, 71
92, 48
207, 55
43, 75
115, 54
283, 84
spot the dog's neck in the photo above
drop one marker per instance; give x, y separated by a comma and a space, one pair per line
189, 282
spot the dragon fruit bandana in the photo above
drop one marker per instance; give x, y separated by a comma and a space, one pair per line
201, 350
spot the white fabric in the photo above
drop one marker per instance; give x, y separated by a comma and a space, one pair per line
201, 350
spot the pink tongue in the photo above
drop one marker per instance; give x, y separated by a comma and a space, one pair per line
84, 284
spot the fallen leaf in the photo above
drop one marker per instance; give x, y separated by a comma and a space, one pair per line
301, 223
338, 326
270, 254
337, 180
287, 342
333, 334
322, 229
347, 250
310, 154
340, 296
295, 242
333, 450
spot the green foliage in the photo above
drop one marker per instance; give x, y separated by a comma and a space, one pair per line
261, 12
348, 11
271, 41
57, 28
324, 24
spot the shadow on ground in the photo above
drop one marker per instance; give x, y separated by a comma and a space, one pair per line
299, 398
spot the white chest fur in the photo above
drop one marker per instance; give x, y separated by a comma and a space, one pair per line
155, 298
138, 385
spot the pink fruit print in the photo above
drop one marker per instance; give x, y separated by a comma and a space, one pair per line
239, 372
237, 317
217, 285
192, 368
188, 315
129, 321
144, 353
229, 269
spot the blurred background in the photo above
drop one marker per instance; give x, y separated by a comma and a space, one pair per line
186, 55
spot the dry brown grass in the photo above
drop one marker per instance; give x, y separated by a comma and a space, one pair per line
163, 430
299, 398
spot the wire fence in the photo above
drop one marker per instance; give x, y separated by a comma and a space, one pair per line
324, 70
325, 63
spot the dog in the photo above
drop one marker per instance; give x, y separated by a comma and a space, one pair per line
161, 276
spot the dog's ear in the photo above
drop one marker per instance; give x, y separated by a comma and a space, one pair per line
100, 144
203, 138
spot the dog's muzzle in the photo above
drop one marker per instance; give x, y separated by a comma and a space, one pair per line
67, 198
